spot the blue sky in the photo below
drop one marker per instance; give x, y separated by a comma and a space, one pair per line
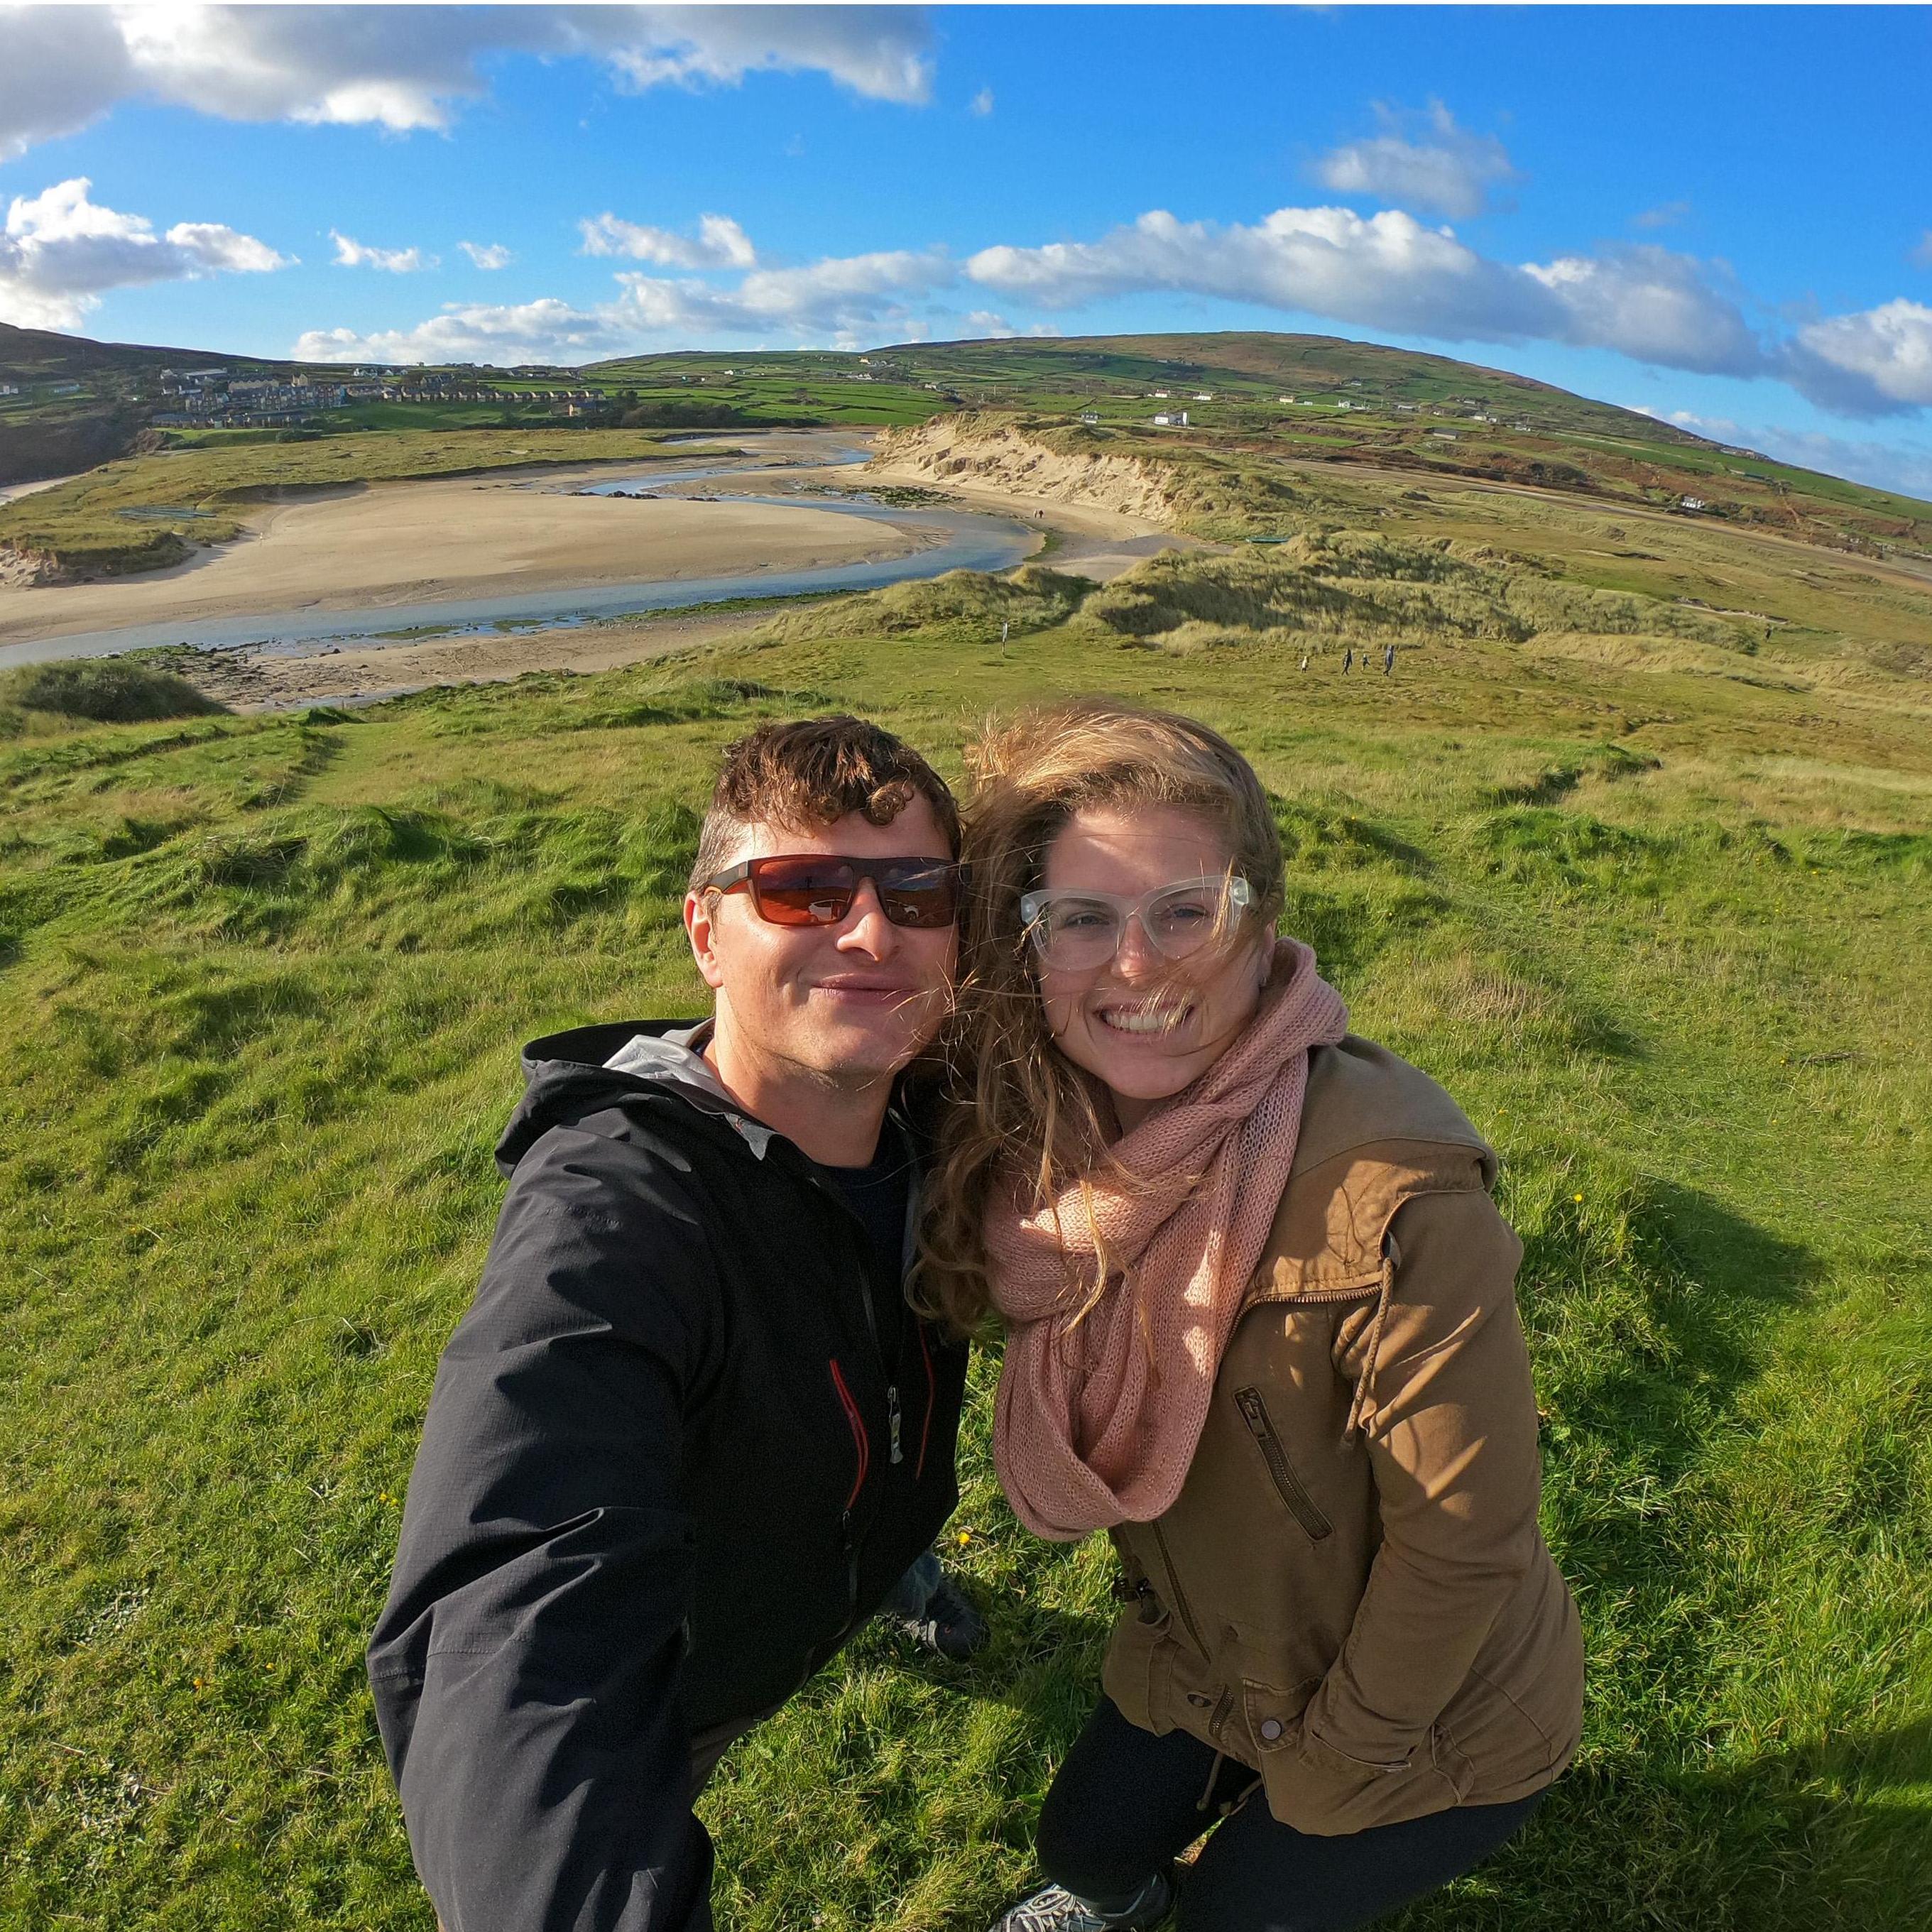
1720, 215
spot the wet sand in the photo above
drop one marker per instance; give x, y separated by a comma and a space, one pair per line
401, 544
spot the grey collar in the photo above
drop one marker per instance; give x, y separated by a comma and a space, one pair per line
677, 1059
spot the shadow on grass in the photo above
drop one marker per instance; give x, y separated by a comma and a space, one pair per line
1821, 1839
1647, 1323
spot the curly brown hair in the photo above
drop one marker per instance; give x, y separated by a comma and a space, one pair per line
803, 771
1022, 1107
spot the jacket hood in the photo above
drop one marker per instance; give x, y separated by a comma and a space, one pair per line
590, 1069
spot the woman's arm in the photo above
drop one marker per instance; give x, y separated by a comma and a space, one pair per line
1450, 1426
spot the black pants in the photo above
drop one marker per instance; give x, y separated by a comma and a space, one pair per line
1127, 1801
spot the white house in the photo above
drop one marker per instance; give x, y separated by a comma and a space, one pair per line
1174, 419
1692, 503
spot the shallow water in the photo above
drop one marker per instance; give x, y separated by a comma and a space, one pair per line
971, 540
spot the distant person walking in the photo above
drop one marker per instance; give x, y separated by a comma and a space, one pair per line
1348, 658
1304, 660
1004, 629
1388, 660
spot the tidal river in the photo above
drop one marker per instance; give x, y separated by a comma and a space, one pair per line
504, 551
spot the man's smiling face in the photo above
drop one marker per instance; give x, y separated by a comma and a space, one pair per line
847, 1004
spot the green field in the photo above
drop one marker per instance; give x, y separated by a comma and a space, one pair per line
1648, 891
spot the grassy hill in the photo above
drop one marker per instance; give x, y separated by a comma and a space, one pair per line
1647, 889
1355, 408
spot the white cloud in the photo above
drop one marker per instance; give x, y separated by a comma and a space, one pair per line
1445, 168
350, 254
838, 296
1876, 363
719, 243
882, 52
1650, 304
1389, 271
543, 331
841, 301
61, 252
487, 254
407, 67
1386, 270
981, 103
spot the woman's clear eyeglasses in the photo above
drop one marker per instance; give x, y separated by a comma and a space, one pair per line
1074, 932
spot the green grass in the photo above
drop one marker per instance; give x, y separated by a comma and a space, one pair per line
1657, 915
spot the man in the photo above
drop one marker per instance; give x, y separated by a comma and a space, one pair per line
689, 1435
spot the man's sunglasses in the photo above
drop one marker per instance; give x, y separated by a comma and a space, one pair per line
817, 889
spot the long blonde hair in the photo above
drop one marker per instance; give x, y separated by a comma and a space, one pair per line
1021, 1107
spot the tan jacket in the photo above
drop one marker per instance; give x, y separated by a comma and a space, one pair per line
1350, 1593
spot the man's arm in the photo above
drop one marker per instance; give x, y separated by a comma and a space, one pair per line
526, 1668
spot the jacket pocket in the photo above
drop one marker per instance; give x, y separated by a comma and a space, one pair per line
1316, 1787
862, 1445
1137, 1673
1281, 1472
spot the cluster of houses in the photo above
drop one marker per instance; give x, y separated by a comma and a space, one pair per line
214, 399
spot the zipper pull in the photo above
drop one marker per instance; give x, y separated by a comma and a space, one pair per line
892, 1419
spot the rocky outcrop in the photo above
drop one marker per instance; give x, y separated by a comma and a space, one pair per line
30, 569
1057, 465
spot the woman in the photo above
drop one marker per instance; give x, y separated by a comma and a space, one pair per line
1261, 1329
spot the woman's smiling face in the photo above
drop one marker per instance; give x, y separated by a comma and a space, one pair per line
1144, 1024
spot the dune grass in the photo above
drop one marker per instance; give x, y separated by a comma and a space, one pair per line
1664, 932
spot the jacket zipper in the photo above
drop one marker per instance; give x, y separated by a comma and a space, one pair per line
932, 1401
1180, 1608
1254, 1413
896, 1454
856, 1423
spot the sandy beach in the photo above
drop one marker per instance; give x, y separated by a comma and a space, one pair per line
410, 543
398, 543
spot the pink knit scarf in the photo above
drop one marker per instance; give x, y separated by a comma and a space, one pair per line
1094, 1424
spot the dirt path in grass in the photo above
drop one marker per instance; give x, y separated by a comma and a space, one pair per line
361, 674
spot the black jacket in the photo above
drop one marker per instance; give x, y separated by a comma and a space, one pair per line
666, 1472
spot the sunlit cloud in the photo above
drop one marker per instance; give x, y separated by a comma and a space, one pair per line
61, 251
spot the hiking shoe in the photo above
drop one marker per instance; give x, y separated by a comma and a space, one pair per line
949, 1624
1056, 1909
